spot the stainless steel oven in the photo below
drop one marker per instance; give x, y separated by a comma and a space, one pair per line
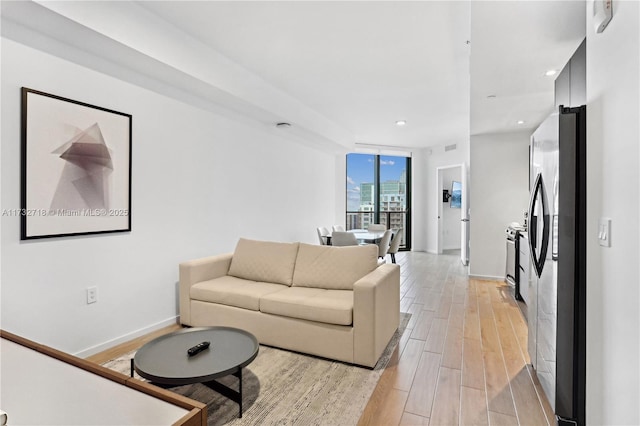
512, 267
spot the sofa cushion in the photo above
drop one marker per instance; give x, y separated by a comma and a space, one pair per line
233, 291
336, 268
265, 261
313, 304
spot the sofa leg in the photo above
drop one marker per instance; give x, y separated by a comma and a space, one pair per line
393, 257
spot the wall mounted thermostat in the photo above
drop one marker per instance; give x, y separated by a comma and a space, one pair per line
602, 13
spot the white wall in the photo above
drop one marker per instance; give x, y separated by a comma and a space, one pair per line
613, 183
418, 201
499, 181
450, 218
431, 160
200, 181
340, 196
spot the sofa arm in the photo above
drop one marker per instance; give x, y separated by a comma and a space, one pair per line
376, 313
195, 271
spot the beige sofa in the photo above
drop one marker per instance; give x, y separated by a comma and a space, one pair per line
334, 302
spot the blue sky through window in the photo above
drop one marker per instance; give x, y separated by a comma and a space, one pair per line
360, 169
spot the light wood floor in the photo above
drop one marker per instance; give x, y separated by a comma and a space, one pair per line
123, 348
462, 360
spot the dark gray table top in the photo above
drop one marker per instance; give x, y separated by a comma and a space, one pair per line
164, 360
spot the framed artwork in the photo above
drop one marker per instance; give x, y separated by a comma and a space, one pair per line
456, 195
76, 168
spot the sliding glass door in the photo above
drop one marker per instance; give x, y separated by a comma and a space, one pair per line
378, 190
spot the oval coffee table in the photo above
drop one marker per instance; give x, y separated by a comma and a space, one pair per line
165, 362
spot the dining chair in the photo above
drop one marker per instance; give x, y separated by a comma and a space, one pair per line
338, 228
383, 244
339, 238
323, 233
395, 244
376, 227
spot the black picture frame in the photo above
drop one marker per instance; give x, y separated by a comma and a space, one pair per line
75, 168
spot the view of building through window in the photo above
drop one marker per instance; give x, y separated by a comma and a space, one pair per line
378, 192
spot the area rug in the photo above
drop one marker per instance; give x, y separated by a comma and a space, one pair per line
289, 388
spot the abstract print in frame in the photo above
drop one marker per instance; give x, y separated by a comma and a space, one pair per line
76, 168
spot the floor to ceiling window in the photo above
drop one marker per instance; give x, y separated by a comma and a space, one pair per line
379, 191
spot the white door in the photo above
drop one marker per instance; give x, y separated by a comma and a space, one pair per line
464, 217
440, 211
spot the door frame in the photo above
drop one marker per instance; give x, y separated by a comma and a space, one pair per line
439, 226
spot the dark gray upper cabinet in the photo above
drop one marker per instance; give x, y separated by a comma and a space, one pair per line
579, 76
563, 87
571, 83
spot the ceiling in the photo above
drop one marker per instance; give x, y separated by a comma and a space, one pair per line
514, 43
363, 65
341, 72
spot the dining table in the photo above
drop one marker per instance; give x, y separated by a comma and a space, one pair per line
365, 236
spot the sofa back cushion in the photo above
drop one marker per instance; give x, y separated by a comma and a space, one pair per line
334, 268
265, 261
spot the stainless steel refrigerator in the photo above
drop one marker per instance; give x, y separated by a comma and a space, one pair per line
556, 229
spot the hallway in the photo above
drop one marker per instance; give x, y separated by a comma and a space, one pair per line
463, 359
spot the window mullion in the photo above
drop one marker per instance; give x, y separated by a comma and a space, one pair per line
376, 188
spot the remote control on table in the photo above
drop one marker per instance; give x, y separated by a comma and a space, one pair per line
198, 348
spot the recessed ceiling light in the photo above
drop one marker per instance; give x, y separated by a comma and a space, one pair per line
520, 121
491, 97
283, 125
401, 122
550, 73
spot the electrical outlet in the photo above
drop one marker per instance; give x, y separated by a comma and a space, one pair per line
92, 295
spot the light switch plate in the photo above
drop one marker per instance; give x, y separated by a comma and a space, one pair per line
604, 232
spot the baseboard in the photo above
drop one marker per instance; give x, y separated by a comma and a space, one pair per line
486, 277
443, 251
125, 338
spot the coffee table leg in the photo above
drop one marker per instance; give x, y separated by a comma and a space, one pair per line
232, 394
240, 388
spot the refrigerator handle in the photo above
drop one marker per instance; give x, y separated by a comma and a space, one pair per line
538, 193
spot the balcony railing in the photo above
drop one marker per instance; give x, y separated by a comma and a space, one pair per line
391, 219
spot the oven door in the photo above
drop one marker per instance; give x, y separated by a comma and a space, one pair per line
510, 273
